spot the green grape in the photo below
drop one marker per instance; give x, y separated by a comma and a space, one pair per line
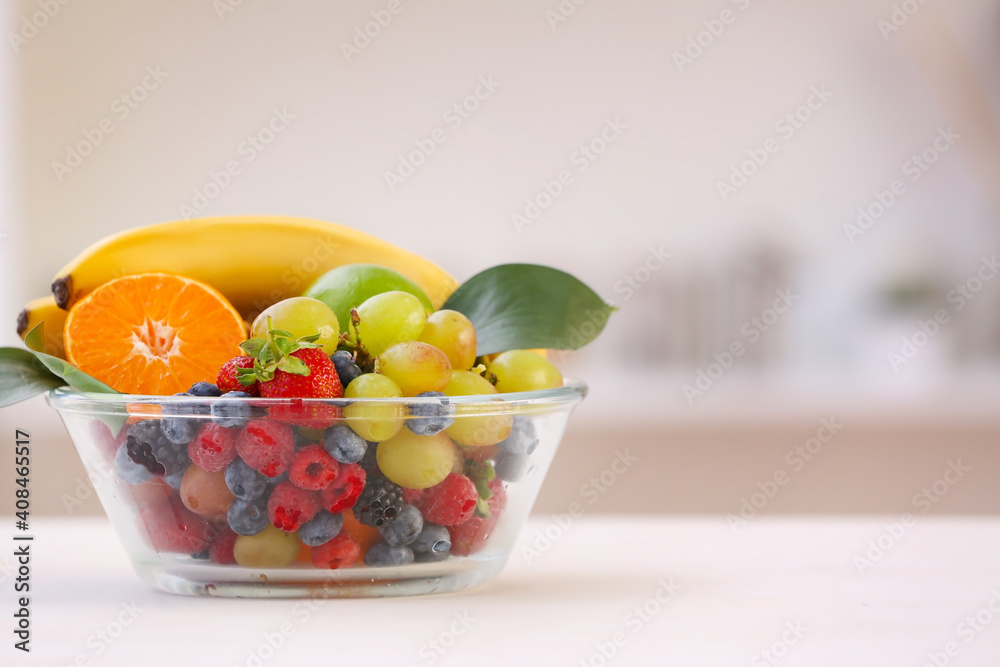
270, 548
390, 318
524, 370
301, 316
416, 461
205, 492
451, 332
374, 421
415, 367
469, 429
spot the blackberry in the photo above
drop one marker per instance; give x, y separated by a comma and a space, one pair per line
148, 447
379, 503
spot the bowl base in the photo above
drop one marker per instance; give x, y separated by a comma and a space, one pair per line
212, 580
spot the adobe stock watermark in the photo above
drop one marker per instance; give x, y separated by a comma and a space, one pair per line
923, 501
121, 108
958, 297
772, 655
900, 15
590, 491
248, 150
433, 649
272, 642
635, 620
551, 190
967, 630
371, 30
224, 7
456, 116
31, 24
786, 127
796, 458
752, 330
100, 640
914, 168
714, 28
562, 12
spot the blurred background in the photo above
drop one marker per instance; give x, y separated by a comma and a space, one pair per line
795, 207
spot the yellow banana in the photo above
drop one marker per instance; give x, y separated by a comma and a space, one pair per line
254, 261
44, 310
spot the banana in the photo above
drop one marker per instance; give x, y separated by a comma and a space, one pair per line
44, 310
255, 261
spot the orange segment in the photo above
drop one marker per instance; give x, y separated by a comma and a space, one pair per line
153, 333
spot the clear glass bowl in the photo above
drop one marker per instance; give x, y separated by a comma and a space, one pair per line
156, 510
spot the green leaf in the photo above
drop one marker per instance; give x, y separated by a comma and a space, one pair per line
520, 306
253, 346
71, 375
23, 376
293, 365
281, 333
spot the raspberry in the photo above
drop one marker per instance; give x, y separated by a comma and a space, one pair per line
213, 448
172, 528
469, 537
343, 493
380, 501
227, 380
339, 552
289, 506
266, 446
451, 502
221, 551
305, 414
148, 447
414, 496
312, 468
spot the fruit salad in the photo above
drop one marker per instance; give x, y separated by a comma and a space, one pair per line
367, 417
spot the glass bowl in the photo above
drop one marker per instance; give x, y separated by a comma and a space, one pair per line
171, 514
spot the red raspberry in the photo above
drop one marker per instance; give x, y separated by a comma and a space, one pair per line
266, 446
469, 537
306, 414
213, 448
227, 380
172, 528
343, 493
312, 468
289, 506
221, 551
339, 552
479, 454
322, 381
451, 502
414, 497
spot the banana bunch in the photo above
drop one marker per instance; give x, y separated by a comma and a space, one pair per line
255, 261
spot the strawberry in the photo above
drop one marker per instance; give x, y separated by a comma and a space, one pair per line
228, 379
172, 528
319, 381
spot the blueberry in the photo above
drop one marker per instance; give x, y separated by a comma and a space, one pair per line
245, 482
404, 529
201, 555
321, 528
522, 438
275, 481
206, 389
432, 416
432, 544
247, 517
512, 466
347, 370
234, 413
382, 554
344, 444
174, 481
178, 430
128, 470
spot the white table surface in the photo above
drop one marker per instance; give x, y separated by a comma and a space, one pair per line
737, 594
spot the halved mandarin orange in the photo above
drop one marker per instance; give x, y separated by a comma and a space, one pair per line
153, 333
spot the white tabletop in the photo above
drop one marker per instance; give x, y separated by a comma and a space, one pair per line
712, 596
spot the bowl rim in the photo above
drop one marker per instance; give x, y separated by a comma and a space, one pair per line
572, 391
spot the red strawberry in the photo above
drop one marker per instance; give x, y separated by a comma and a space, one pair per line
322, 381
343, 493
221, 551
172, 528
227, 380
289, 506
339, 552
451, 502
469, 537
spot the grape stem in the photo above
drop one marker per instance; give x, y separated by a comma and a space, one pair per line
362, 357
